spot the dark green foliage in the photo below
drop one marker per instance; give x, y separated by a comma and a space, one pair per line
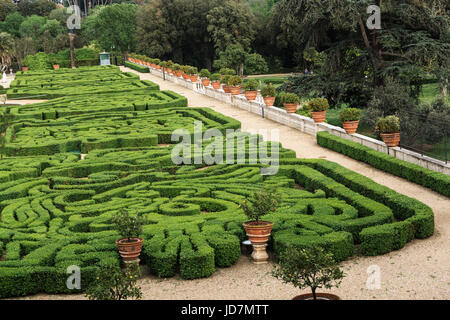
137, 67
436, 181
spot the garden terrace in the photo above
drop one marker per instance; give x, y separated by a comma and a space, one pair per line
57, 210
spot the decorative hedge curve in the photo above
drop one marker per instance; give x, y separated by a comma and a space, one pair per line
137, 67
57, 210
436, 181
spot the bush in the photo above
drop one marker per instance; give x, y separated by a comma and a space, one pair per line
215, 77
204, 73
390, 124
318, 104
350, 114
137, 67
290, 98
235, 81
255, 64
192, 71
436, 181
268, 90
251, 85
227, 71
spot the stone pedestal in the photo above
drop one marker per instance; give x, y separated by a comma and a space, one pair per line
259, 254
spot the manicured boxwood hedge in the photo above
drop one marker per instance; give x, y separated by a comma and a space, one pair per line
137, 67
436, 181
57, 210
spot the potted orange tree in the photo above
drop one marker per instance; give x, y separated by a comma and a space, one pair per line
350, 119
311, 267
185, 70
389, 129
268, 93
251, 89
235, 85
290, 101
226, 75
318, 107
263, 202
204, 75
215, 79
177, 70
129, 228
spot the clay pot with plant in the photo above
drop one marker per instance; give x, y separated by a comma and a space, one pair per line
251, 89
309, 267
350, 119
193, 74
176, 70
185, 70
318, 107
204, 75
157, 64
262, 202
290, 102
235, 85
226, 74
129, 228
389, 129
169, 66
268, 92
24, 65
215, 81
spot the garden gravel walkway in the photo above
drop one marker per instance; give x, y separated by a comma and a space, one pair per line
421, 270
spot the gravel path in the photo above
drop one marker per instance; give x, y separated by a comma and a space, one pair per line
421, 270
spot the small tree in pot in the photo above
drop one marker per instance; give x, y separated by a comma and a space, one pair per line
263, 202
204, 75
389, 129
235, 85
251, 89
177, 70
311, 267
226, 73
290, 102
268, 92
129, 228
215, 78
318, 107
350, 119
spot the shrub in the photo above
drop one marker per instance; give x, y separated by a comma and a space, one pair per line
128, 227
204, 73
176, 67
192, 71
390, 124
308, 268
268, 90
235, 81
350, 114
436, 181
215, 77
227, 71
263, 202
113, 284
318, 104
289, 97
136, 67
251, 85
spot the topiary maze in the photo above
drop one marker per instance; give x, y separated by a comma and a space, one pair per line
57, 207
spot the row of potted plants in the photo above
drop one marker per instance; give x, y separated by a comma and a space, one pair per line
231, 83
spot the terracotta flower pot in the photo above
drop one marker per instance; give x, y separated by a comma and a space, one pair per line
24, 68
129, 249
158, 67
179, 73
216, 85
185, 76
319, 296
194, 78
169, 71
258, 232
235, 90
350, 126
391, 139
251, 95
318, 116
226, 88
205, 82
269, 101
55, 66
290, 107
